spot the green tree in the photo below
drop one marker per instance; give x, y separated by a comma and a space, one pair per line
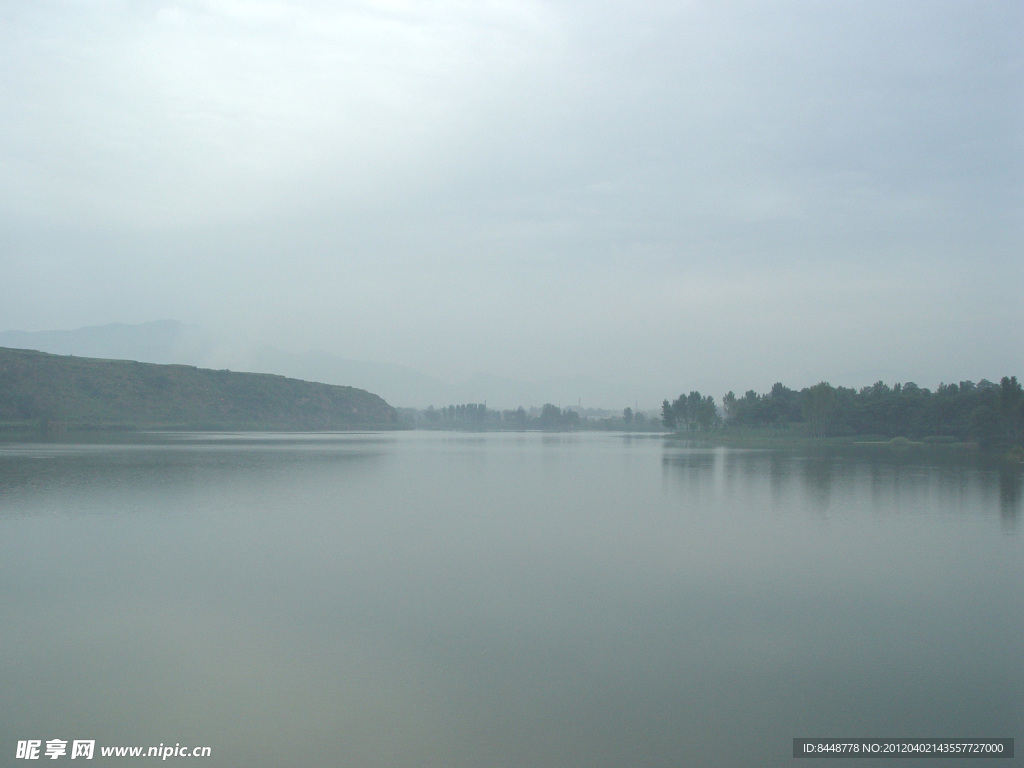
550, 416
693, 409
819, 408
679, 406
706, 415
668, 415
985, 428
730, 407
1011, 408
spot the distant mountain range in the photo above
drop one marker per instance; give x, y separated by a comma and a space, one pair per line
172, 342
162, 341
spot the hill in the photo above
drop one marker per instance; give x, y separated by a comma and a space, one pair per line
173, 342
92, 392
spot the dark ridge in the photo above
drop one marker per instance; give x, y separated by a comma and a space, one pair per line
66, 392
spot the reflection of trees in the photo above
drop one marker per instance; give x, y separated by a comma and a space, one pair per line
857, 482
817, 478
734, 479
1010, 480
689, 468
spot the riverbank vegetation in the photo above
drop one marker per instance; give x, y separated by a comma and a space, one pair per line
985, 414
549, 418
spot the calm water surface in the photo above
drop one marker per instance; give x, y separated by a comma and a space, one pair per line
441, 599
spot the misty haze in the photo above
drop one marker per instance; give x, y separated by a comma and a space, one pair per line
521, 383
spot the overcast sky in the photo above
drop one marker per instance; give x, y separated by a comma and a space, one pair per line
663, 195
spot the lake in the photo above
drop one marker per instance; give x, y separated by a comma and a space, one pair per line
504, 599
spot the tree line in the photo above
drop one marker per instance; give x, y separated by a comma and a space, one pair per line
477, 416
989, 414
550, 417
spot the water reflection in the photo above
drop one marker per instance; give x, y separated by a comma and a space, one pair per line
1011, 497
500, 600
827, 483
166, 470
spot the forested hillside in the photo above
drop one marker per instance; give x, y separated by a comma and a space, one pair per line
71, 392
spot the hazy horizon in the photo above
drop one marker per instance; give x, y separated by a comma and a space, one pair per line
171, 342
659, 196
